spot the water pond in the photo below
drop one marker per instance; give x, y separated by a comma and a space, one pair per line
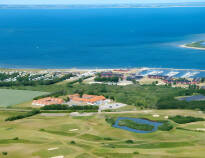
138, 121
193, 98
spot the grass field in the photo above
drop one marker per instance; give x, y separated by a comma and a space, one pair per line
94, 138
9, 97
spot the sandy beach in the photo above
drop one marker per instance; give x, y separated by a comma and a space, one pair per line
184, 46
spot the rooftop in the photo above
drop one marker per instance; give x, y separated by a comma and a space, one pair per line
86, 98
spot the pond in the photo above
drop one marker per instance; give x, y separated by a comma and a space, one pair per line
192, 98
138, 121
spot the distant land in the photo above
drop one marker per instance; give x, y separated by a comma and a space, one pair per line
195, 45
123, 5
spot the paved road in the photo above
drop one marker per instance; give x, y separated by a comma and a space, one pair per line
19, 110
63, 112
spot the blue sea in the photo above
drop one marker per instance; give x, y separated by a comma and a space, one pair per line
101, 38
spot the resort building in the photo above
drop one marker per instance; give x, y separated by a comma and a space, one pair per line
47, 101
111, 74
159, 77
134, 77
88, 99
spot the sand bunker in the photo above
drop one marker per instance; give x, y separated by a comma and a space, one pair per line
58, 157
73, 130
156, 115
52, 148
80, 114
201, 129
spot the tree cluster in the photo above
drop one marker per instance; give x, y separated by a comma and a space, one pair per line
28, 114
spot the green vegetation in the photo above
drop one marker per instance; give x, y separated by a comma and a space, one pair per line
134, 125
10, 97
110, 120
56, 132
172, 103
92, 136
166, 126
28, 114
196, 44
25, 81
72, 142
185, 119
146, 96
88, 108
53, 94
107, 79
143, 96
55, 107
136, 152
129, 141
95, 138
4, 153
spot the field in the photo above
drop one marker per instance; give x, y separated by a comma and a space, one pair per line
93, 137
9, 97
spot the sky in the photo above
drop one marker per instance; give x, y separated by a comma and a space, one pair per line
30, 2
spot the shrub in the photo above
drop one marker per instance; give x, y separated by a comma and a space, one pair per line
4, 153
185, 119
70, 108
136, 152
107, 138
129, 141
72, 142
28, 114
107, 79
16, 138
110, 120
166, 126
55, 107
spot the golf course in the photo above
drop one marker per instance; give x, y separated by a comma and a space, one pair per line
30, 131
43, 136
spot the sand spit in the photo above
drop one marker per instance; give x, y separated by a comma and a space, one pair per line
184, 46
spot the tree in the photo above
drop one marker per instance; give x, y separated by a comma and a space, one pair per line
67, 99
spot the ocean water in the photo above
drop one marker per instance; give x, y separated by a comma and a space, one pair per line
101, 38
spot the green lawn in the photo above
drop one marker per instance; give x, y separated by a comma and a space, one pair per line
9, 97
38, 133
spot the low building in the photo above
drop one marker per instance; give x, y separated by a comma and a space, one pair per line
134, 77
111, 74
179, 81
47, 101
87, 99
196, 80
158, 77
121, 70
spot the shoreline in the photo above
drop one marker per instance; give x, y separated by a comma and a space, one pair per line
184, 46
97, 69
101, 6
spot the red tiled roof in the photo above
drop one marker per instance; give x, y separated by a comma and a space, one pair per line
48, 101
87, 98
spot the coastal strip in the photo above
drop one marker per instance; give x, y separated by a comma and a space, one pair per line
185, 46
